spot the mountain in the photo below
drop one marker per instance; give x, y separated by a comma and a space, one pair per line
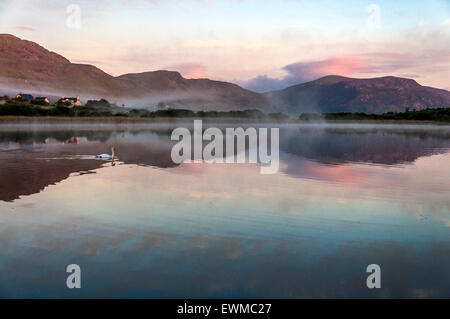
340, 94
25, 65
172, 89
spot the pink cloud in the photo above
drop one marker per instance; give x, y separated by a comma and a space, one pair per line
189, 70
365, 65
300, 72
343, 66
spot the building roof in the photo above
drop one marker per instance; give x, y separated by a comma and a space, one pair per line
26, 96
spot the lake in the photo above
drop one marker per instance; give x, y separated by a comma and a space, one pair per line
346, 196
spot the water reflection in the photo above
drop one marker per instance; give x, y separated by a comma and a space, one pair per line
345, 197
34, 159
368, 145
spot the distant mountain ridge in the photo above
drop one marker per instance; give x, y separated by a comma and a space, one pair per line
27, 66
332, 94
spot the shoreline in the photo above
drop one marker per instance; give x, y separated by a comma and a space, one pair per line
12, 119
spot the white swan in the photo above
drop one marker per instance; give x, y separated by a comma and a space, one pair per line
107, 156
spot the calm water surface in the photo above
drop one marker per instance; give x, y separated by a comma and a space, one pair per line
345, 197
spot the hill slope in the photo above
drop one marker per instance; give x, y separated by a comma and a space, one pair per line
172, 89
25, 65
341, 94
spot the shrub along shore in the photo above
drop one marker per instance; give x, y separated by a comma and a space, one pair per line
434, 115
102, 109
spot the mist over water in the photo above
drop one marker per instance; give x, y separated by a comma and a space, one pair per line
346, 196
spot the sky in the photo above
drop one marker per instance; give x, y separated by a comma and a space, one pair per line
262, 45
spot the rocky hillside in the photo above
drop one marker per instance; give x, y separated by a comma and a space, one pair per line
341, 94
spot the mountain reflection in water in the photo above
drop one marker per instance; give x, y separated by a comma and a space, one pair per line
346, 196
32, 160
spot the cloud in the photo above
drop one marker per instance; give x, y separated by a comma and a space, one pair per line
93, 62
264, 83
422, 24
189, 70
300, 72
305, 71
24, 28
365, 65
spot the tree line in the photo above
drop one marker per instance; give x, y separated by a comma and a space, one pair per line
430, 114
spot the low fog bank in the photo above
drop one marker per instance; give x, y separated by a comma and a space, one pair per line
195, 100
11, 90
371, 126
29, 124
